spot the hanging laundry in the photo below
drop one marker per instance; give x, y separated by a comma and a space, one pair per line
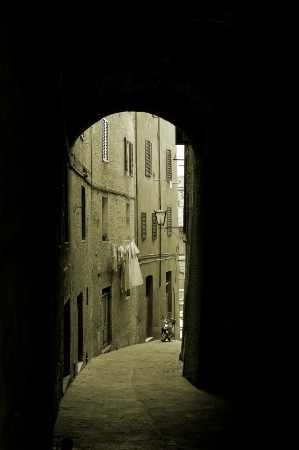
135, 271
124, 258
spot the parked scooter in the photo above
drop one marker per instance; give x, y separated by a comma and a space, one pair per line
167, 332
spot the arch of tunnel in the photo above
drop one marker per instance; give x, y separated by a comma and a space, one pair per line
193, 65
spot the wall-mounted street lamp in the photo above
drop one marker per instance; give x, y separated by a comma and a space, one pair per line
160, 216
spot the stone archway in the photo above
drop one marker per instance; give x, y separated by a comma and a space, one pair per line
61, 74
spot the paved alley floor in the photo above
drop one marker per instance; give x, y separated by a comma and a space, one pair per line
137, 398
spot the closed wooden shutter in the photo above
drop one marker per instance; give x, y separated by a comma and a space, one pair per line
154, 226
105, 140
169, 221
143, 225
148, 158
168, 165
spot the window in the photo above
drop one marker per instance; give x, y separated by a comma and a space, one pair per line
129, 158
143, 225
154, 226
83, 215
168, 165
126, 156
105, 140
131, 161
169, 221
148, 158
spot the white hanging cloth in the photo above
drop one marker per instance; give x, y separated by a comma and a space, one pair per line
135, 274
125, 257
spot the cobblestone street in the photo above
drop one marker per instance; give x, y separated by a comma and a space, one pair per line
136, 398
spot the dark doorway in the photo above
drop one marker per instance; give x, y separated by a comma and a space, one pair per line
80, 326
169, 293
106, 322
149, 312
66, 205
66, 338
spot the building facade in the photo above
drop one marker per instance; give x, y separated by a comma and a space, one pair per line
159, 248
120, 267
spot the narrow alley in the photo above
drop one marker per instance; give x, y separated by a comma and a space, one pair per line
137, 398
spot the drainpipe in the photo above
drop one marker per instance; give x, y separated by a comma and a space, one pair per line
136, 183
160, 203
90, 136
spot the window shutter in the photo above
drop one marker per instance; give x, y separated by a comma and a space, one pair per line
169, 221
168, 165
143, 225
154, 226
148, 158
105, 140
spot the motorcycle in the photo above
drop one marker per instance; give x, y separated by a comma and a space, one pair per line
167, 332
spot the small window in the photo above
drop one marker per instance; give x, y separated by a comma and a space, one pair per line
169, 222
143, 225
105, 140
83, 214
168, 165
129, 158
126, 159
154, 226
148, 158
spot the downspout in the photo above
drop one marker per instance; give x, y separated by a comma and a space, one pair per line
91, 156
136, 183
160, 204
